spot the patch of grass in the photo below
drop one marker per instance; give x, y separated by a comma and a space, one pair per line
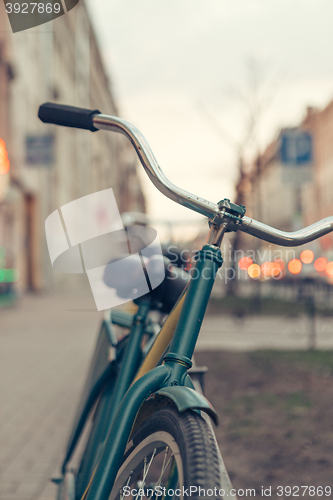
297, 400
242, 405
242, 427
268, 361
270, 400
295, 403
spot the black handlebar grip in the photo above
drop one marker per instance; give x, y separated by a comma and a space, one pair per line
68, 116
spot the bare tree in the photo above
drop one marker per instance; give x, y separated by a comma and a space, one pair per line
254, 99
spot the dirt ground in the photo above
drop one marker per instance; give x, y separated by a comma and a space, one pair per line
276, 419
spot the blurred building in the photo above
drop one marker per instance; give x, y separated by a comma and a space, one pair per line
268, 197
50, 166
272, 199
317, 197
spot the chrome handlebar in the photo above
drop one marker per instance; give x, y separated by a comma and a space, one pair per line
200, 205
285, 238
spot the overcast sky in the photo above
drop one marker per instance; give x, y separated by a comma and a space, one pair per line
176, 64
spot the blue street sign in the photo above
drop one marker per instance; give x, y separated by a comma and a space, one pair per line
296, 147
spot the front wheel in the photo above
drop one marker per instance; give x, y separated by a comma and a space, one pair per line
171, 455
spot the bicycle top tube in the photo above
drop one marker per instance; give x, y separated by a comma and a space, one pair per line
201, 205
223, 213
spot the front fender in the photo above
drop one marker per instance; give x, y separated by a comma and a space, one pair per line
183, 397
186, 398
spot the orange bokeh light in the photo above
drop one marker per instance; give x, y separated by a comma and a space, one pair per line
4, 161
307, 256
295, 266
266, 268
277, 268
254, 271
320, 264
280, 263
244, 263
329, 269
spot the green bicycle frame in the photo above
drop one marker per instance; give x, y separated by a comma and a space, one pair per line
169, 379
109, 381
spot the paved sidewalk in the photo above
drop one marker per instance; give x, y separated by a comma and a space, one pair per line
263, 332
45, 347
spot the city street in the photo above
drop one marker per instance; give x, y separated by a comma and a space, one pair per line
45, 347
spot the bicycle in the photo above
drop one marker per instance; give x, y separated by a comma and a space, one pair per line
152, 434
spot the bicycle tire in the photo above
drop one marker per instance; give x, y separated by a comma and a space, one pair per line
184, 440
